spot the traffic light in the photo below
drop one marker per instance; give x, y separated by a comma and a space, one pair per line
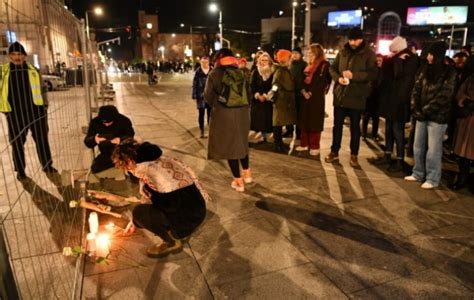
128, 29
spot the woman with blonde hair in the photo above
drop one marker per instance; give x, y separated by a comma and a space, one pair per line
261, 110
315, 87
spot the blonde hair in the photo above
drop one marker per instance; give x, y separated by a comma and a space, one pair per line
270, 60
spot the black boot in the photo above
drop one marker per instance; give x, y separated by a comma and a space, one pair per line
459, 183
380, 161
281, 148
395, 166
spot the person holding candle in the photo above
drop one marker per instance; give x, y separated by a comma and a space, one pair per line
173, 201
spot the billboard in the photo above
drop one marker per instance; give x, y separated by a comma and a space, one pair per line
437, 15
350, 18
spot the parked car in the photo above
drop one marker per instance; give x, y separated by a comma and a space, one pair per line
53, 82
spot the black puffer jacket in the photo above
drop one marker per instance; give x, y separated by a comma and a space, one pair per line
361, 62
432, 101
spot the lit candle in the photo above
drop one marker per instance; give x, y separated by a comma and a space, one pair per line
91, 242
110, 227
102, 245
94, 222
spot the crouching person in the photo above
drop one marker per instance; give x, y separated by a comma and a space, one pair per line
173, 202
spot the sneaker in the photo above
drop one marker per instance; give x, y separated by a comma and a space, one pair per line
300, 148
165, 248
331, 157
238, 185
314, 152
427, 186
258, 136
411, 178
354, 162
247, 176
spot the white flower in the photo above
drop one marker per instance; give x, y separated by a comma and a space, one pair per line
67, 251
73, 204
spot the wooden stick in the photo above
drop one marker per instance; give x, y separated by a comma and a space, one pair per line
94, 207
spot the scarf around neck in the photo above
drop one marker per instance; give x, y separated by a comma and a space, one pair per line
309, 71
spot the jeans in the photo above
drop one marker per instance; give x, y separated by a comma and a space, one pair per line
395, 132
339, 114
428, 151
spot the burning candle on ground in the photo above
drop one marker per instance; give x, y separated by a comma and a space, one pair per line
102, 245
91, 242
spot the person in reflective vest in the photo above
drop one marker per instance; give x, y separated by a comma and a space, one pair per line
24, 103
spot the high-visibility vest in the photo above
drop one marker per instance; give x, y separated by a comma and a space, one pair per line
35, 83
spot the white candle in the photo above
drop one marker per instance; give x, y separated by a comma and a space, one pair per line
102, 245
91, 242
93, 222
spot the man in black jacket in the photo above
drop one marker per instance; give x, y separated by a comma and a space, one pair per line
353, 70
398, 78
107, 130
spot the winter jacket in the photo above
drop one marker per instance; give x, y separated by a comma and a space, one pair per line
261, 113
361, 62
432, 101
398, 79
297, 71
229, 127
284, 107
199, 83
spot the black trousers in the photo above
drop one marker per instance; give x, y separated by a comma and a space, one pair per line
278, 135
18, 127
395, 133
235, 168
375, 123
339, 114
202, 112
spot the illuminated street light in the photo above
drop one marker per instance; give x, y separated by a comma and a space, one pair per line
182, 25
98, 11
280, 13
293, 24
214, 8
149, 25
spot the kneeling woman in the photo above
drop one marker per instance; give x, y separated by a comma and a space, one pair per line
173, 200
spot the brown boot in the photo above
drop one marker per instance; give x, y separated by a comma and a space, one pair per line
165, 248
354, 162
331, 157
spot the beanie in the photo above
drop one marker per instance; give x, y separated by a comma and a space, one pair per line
398, 44
438, 50
355, 33
108, 113
16, 47
283, 55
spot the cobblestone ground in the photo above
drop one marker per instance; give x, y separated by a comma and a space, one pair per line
304, 229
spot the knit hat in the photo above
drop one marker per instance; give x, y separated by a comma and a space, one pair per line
298, 49
16, 47
283, 55
438, 50
355, 33
108, 113
398, 44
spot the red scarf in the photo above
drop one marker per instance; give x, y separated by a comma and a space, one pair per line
309, 71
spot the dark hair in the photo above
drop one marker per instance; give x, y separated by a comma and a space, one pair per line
460, 55
224, 52
130, 150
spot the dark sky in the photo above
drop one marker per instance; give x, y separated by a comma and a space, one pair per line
237, 14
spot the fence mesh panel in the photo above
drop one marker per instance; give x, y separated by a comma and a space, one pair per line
36, 219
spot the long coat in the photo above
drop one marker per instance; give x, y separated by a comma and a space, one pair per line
199, 82
261, 112
463, 144
229, 127
361, 62
311, 114
398, 79
284, 106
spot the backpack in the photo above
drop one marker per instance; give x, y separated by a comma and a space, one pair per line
234, 89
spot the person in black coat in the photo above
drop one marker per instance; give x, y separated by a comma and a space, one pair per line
373, 102
199, 83
107, 130
431, 105
261, 113
398, 79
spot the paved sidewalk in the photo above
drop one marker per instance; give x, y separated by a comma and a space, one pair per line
304, 230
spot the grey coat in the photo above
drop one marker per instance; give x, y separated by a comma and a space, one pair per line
229, 127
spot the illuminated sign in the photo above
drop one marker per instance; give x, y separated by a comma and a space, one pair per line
345, 18
437, 15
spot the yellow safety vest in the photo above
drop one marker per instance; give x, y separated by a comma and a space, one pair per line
35, 83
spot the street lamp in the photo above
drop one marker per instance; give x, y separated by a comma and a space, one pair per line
214, 8
98, 11
293, 24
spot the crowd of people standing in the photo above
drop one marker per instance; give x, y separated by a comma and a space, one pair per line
286, 93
